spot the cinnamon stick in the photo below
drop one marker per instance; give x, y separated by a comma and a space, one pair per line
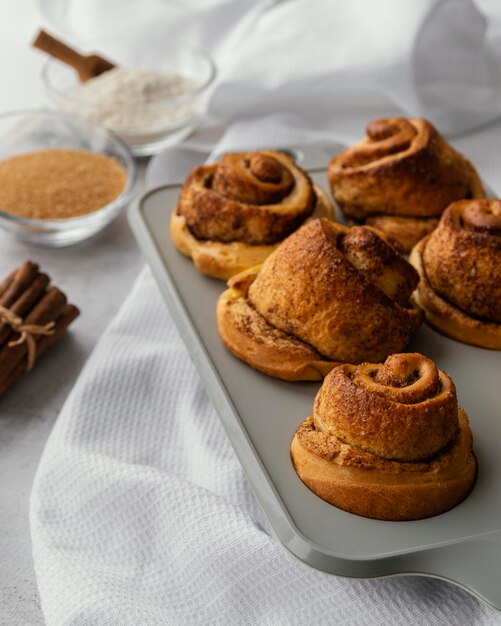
6, 282
69, 314
23, 277
26, 294
24, 303
46, 310
14, 286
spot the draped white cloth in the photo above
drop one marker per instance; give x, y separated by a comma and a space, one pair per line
140, 512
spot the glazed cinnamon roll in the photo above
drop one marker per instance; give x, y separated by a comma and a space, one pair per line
460, 269
328, 294
387, 441
400, 178
232, 214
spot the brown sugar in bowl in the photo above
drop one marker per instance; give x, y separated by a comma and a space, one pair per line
62, 178
58, 184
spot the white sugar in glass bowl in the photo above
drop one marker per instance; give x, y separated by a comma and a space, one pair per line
154, 99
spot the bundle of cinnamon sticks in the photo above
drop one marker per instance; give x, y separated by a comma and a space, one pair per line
27, 294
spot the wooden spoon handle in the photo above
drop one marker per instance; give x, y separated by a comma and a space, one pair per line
59, 50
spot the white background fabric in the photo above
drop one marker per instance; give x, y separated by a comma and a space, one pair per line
140, 512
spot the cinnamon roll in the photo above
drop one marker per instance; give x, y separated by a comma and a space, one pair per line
387, 441
460, 269
232, 214
400, 178
328, 294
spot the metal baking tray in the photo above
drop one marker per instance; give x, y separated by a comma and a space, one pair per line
260, 415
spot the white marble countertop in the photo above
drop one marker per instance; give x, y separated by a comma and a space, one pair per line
96, 276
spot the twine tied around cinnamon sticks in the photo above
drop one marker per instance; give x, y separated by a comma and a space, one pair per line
26, 333
33, 315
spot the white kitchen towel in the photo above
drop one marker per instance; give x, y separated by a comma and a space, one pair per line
435, 58
140, 513
330, 62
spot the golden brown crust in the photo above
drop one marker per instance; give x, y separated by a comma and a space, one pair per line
254, 197
403, 409
403, 168
463, 264
328, 294
329, 459
373, 254
224, 259
215, 258
309, 288
250, 338
406, 230
373, 495
460, 277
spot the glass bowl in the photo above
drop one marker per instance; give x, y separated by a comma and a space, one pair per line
28, 131
163, 121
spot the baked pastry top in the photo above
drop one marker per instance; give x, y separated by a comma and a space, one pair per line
460, 273
328, 294
231, 214
387, 440
400, 177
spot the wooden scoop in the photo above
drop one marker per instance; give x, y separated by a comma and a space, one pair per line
87, 66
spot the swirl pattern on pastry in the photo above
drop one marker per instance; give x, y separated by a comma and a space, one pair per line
232, 214
460, 270
387, 441
342, 294
400, 178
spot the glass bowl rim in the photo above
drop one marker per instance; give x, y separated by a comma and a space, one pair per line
123, 198
50, 63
